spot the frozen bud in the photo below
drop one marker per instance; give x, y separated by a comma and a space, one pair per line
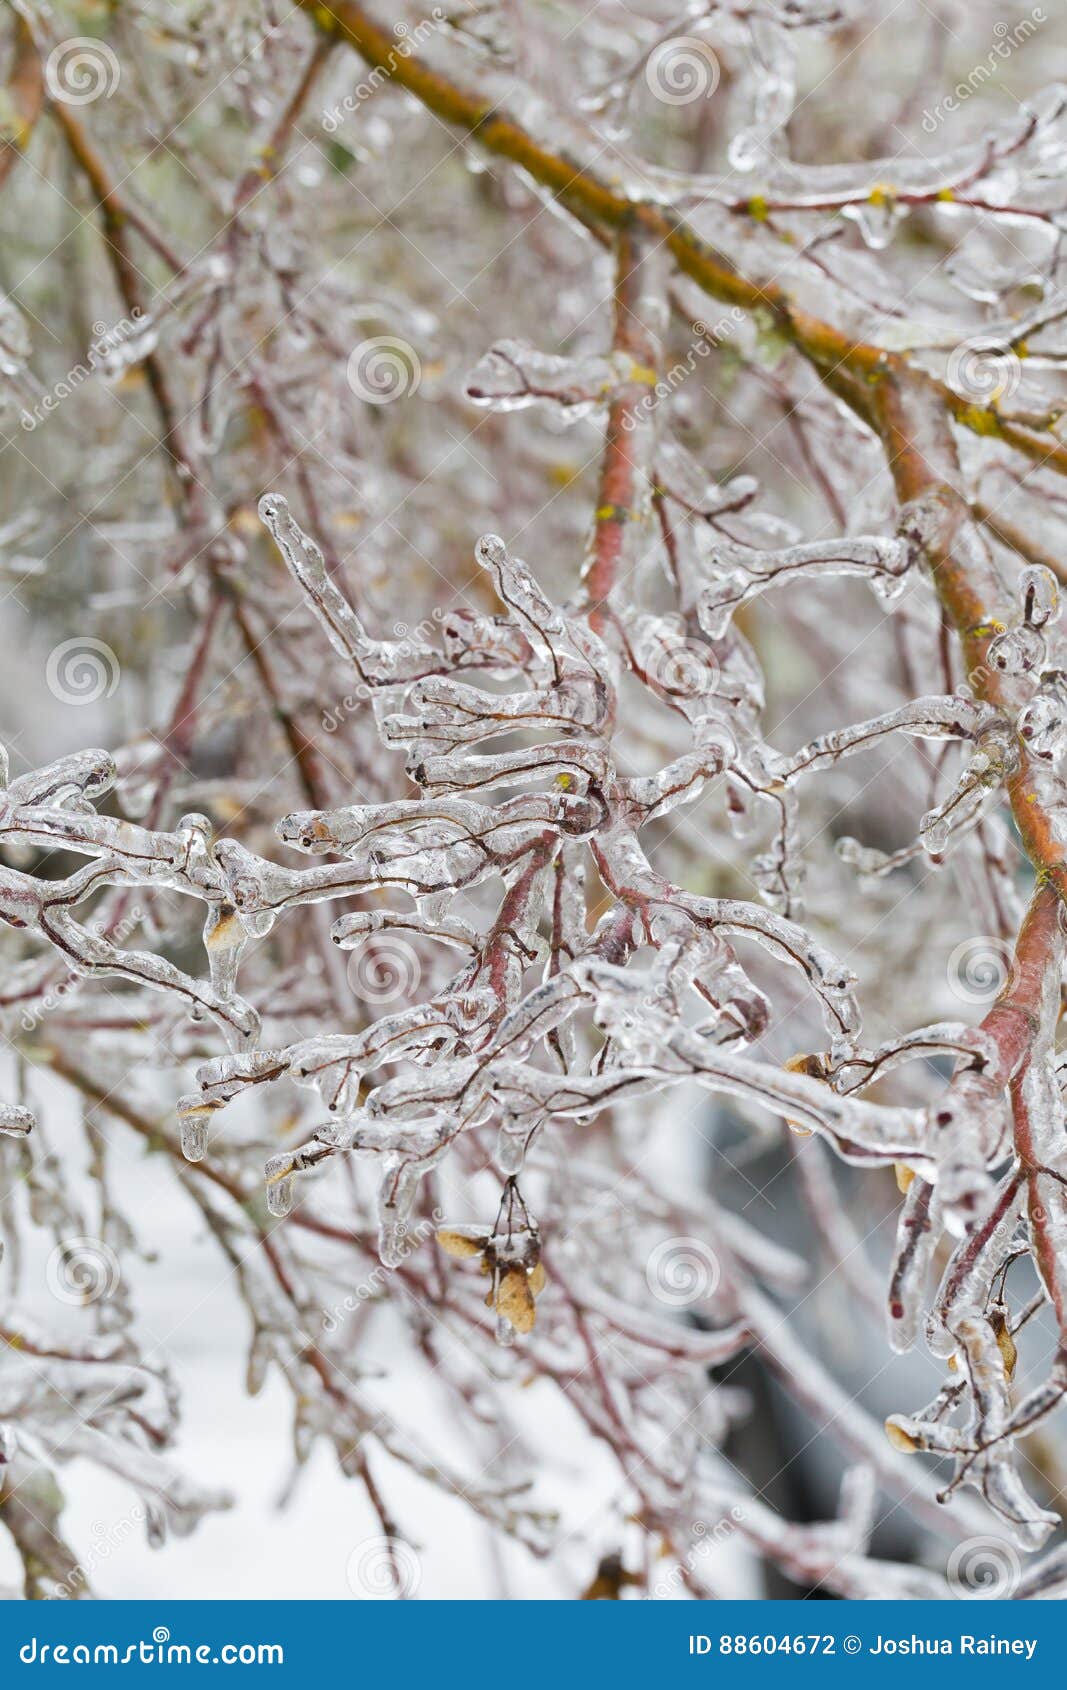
927, 523
1040, 595
307, 830
1017, 651
865, 859
1043, 724
196, 823
15, 1121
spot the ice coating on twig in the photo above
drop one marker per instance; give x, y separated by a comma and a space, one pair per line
574, 829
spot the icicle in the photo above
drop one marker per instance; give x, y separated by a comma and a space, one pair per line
280, 1184
193, 1119
993, 761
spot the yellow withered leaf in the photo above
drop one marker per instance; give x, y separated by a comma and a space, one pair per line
1006, 1346
514, 1300
537, 1279
803, 1063
456, 1242
806, 1062
192, 1109
905, 1175
226, 932
900, 1439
